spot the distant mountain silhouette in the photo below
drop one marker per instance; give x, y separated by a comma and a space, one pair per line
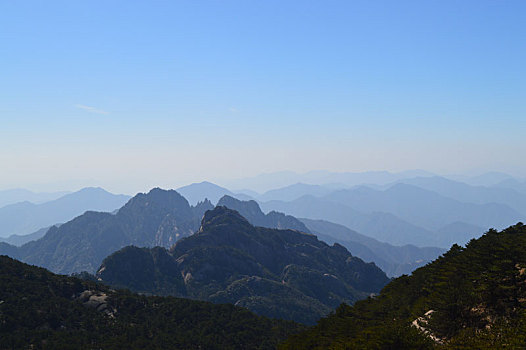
265, 182
384, 227
514, 184
401, 214
424, 208
251, 211
459, 232
488, 179
17, 195
394, 260
471, 194
278, 273
25, 217
292, 192
157, 218
198, 192
18, 240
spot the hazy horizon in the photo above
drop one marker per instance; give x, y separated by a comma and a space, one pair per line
129, 96
259, 183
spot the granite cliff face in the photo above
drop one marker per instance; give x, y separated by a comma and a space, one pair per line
278, 273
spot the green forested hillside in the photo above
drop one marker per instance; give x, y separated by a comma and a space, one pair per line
40, 310
472, 297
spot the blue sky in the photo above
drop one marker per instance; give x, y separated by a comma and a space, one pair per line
131, 94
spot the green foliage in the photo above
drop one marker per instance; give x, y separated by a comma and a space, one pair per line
41, 310
477, 294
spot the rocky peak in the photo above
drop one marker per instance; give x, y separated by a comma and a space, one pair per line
222, 216
201, 207
156, 199
248, 208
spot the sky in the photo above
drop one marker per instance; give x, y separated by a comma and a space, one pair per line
134, 94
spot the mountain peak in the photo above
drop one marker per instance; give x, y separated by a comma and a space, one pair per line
156, 197
252, 212
221, 216
250, 206
196, 192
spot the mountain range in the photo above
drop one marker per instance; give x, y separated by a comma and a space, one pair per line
269, 181
440, 213
285, 274
381, 226
402, 214
463, 192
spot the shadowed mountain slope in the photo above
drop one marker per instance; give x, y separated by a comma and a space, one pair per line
157, 218
394, 260
278, 273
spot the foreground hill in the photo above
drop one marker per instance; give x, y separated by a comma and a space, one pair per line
157, 218
40, 310
277, 273
25, 217
472, 298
